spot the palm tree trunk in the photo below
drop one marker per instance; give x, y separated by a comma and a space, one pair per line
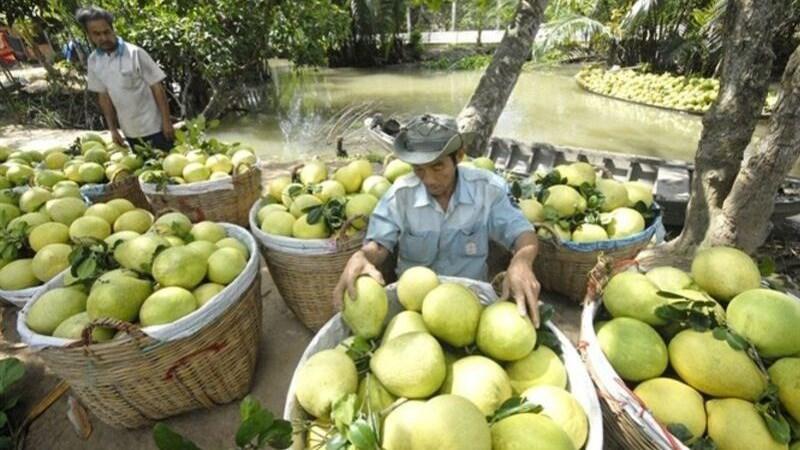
487, 102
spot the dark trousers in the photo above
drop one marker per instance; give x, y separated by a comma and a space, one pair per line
157, 140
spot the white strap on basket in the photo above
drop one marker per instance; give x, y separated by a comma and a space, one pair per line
182, 328
335, 331
21, 297
223, 184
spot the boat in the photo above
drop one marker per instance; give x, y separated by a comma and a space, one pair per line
671, 179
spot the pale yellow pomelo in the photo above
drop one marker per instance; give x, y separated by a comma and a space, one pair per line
365, 315
529, 432
785, 373
379, 189
713, 367
138, 253
588, 232
372, 181
174, 164
404, 322
73, 326
302, 203
204, 248
48, 233
503, 334
410, 365
562, 407
89, 227
174, 241
768, 319
401, 426
8, 213
313, 172
564, 199
349, 177
363, 166
614, 194
173, 223
234, 243
481, 381
120, 236
396, 169
329, 189
279, 223
579, 173
33, 199
118, 297
540, 367
18, 275
138, 220
276, 186
360, 205
122, 205
414, 284
50, 261
639, 191
290, 191
262, 213
484, 163
225, 264
179, 266
208, 231
326, 377
54, 307
631, 294
206, 292
725, 272
625, 222
219, 164
301, 229
90, 172
634, 349
532, 210
103, 211
166, 305
735, 424
31, 220
65, 210
673, 402
372, 397
561, 233
669, 278
195, 172
452, 313
450, 422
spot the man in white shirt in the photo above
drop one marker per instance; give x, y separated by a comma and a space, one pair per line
128, 84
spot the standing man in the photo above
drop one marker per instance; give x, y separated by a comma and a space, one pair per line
442, 216
128, 84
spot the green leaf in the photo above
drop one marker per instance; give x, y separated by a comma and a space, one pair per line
86, 268
248, 407
315, 214
257, 423
766, 266
336, 442
3, 419
11, 371
512, 406
735, 341
166, 439
548, 339
546, 313
344, 411
680, 431
9, 402
279, 434
704, 443
778, 427
362, 435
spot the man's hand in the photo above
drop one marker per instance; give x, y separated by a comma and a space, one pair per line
522, 285
168, 129
117, 138
357, 265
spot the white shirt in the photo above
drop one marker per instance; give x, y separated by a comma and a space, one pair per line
126, 75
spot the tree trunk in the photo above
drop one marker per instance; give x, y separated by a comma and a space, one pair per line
744, 219
728, 126
483, 109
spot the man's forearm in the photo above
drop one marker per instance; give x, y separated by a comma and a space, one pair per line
526, 247
161, 101
375, 253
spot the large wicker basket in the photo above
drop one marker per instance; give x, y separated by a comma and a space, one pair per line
563, 266
305, 271
336, 330
226, 200
136, 379
127, 188
628, 422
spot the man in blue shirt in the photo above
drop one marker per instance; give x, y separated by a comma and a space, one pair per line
442, 216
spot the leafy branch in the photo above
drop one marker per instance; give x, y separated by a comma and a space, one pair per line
699, 315
90, 259
769, 407
512, 406
543, 334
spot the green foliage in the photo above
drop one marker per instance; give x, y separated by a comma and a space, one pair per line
11, 371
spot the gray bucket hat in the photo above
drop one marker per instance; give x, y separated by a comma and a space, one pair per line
427, 137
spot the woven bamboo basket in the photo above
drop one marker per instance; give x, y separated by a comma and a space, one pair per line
226, 200
136, 379
336, 330
628, 422
563, 266
305, 271
127, 188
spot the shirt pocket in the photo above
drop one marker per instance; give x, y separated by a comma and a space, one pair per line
129, 78
472, 243
420, 248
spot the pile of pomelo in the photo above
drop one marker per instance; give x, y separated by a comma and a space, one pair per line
580, 206
445, 373
712, 354
153, 273
187, 164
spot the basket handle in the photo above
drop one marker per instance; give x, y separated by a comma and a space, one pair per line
388, 158
340, 235
86, 335
119, 174
554, 237
497, 282
605, 268
294, 169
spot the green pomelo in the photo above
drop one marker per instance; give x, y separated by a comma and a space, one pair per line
785, 374
712, 367
483, 162
372, 396
532, 210
631, 294
563, 409
119, 297
73, 326
379, 189
349, 177
639, 192
301, 229
166, 305
173, 223
224, 265
234, 243
614, 194
89, 227
414, 284
103, 211
768, 319
410, 365
326, 377
66, 191
402, 323
450, 422
673, 402
138, 220
195, 172
529, 432
563, 199
634, 349
204, 248
290, 191
481, 381
91, 172
120, 236
138, 253
363, 166
48, 233
625, 222
365, 315
55, 160
401, 425
50, 261
669, 278
735, 424
8, 213
219, 163
725, 272
121, 205
18, 275
208, 231
174, 241
179, 266
540, 367
96, 155
452, 313
302, 203
503, 334
280, 223
396, 169
276, 186
54, 307
372, 181
31, 220
579, 173
313, 172
196, 156
329, 189
262, 213
33, 199
206, 292
360, 205
588, 232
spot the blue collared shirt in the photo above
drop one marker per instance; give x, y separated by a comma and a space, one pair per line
453, 242
118, 52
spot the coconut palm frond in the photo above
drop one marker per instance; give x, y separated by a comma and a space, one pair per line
639, 11
711, 22
571, 29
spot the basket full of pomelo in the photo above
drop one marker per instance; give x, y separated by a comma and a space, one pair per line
153, 323
699, 359
440, 363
